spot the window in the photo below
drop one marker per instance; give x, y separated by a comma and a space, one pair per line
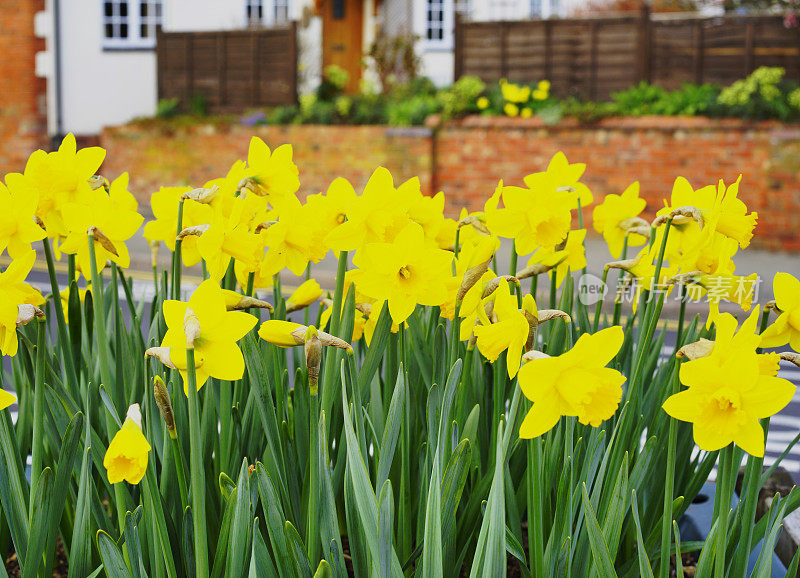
266, 12
536, 8
434, 29
131, 23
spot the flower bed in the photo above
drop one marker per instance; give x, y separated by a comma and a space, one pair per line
412, 422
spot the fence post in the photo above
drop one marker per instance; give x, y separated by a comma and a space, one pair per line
293, 58
458, 48
221, 59
189, 64
749, 53
645, 44
699, 51
593, 61
256, 76
504, 49
548, 49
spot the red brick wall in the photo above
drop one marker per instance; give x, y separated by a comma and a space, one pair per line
473, 154
22, 94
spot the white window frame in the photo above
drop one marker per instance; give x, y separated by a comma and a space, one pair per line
445, 43
134, 21
269, 12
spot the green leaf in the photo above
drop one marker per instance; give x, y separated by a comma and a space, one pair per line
432, 545
374, 355
240, 533
111, 555
391, 433
261, 565
365, 501
298, 551
43, 494
490, 551
329, 522
187, 541
275, 519
12, 491
599, 548
645, 570
220, 555
385, 529
80, 553
133, 544
323, 570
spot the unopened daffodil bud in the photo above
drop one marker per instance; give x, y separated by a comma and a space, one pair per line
162, 354
26, 314
191, 327
679, 216
288, 334
237, 302
126, 457
471, 276
536, 269
164, 405
303, 296
104, 241
696, 350
533, 354
201, 195
313, 350
478, 222
772, 306
195, 230
97, 182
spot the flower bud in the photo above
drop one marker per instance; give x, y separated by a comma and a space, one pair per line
97, 181
471, 276
164, 405
26, 312
162, 354
201, 195
191, 327
196, 230
251, 185
308, 292
237, 302
680, 216
536, 269
135, 414
313, 349
478, 222
104, 241
265, 225
696, 350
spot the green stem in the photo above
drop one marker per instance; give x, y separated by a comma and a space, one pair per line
599, 306
197, 472
724, 487
681, 315
63, 339
38, 441
276, 289
251, 279
669, 486
534, 494
176, 256
177, 455
312, 519
338, 293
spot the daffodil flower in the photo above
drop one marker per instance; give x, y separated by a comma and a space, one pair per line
569, 258
17, 228
7, 399
13, 293
288, 334
406, 272
507, 329
58, 179
308, 292
730, 390
786, 328
612, 216
126, 457
576, 383
565, 178
272, 173
215, 333
164, 204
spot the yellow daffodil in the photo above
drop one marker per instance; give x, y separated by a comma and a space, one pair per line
565, 178
330, 209
730, 390
273, 173
473, 301
58, 179
515, 93
17, 229
375, 216
543, 85
13, 293
308, 292
293, 241
228, 237
613, 217
372, 321
471, 265
7, 399
164, 204
126, 457
570, 258
288, 334
406, 272
216, 352
114, 213
511, 109
482, 102
577, 383
526, 112
786, 328
507, 330
534, 218
358, 323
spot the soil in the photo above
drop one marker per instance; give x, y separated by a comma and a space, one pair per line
59, 570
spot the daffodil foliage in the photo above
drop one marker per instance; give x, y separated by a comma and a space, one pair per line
435, 406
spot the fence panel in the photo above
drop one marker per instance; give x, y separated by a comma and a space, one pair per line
229, 70
594, 57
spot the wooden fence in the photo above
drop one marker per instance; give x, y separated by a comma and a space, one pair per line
593, 57
229, 70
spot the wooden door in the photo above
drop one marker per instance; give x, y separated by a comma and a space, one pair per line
342, 29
